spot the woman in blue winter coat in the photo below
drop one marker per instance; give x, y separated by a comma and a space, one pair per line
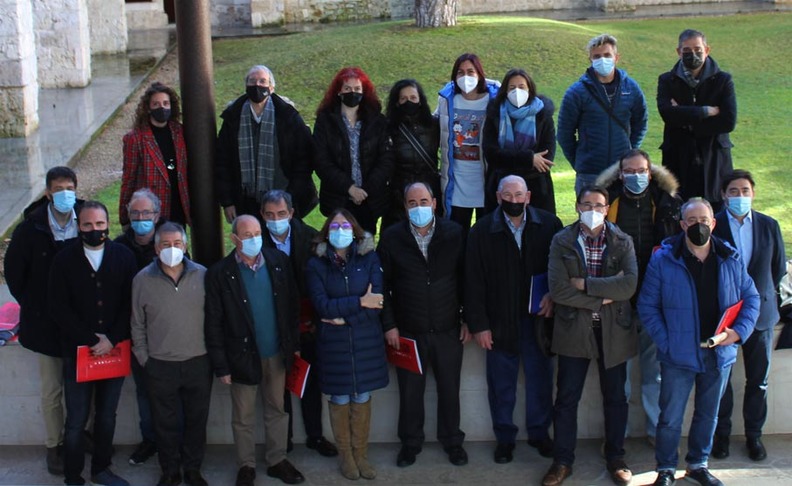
344, 281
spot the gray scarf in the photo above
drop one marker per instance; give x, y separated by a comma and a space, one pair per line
258, 161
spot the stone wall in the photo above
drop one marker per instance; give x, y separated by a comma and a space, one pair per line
63, 44
146, 15
230, 13
108, 26
18, 77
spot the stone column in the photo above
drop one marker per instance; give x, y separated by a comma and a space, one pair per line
63, 43
108, 26
18, 82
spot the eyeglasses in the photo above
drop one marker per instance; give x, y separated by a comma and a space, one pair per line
345, 225
145, 214
588, 206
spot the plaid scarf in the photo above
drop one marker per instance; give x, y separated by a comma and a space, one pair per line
595, 247
258, 167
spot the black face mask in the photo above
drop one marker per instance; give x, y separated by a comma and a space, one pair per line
691, 60
698, 234
161, 115
257, 93
409, 108
93, 237
513, 209
351, 99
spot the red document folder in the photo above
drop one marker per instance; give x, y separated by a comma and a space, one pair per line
111, 365
296, 380
726, 321
406, 356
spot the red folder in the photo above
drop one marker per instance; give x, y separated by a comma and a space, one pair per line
726, 321
406, 356
296, 380
114, 364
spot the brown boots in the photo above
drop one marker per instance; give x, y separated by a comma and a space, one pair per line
351, 424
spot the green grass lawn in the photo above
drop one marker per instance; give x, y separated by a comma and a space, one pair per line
753, 48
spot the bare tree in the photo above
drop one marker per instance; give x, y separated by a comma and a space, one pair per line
436, 13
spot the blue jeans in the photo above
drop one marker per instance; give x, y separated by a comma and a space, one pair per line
105, 394
650, 378
571, 379
502, 371
675, 389
144, 408
583, 180
344, 399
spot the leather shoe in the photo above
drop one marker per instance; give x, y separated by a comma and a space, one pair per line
756, 450
246, 476
544, 446
619, 472
193, 477
407, 455
323, 446
702, 476
556, 474
457, 455
170, 479
503, 453
664, 478
720, 447
285, 472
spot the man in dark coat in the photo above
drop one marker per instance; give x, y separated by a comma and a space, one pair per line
505, 264
757, 238
263, 144
251, 336
697, 103
422, 261
49, 224
295, 238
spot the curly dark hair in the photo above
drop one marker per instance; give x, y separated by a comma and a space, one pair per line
142, 110
393, 114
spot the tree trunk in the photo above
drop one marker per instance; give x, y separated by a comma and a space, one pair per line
435, 13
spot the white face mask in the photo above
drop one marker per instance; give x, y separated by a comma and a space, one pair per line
518, 97
467, 83
171, 256
592, 219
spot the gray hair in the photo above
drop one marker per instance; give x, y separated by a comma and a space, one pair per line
241, 217
261, 67
145, 193
601, 40
417, 183
692, 202
169, 227
511, 178
275, 196
691, 34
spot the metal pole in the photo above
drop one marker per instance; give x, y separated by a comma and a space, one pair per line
194, 36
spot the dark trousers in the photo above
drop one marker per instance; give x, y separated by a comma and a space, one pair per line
364, 216
146, 423
571, 379
311, 402
105, 395
443, 352
464, 215
756, 358
179, 392
502, 371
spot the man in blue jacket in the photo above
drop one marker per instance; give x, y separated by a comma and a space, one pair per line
758, 239
691, 280
603, 114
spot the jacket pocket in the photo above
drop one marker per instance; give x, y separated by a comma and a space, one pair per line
565, 315
242, 359
623, 315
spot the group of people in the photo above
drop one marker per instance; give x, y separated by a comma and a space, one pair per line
639, 273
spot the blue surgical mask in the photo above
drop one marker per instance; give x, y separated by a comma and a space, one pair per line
142, 227
341, 238
739, 206
251, 247
64, 200
278, 227
420, 216
636, 183
604, 65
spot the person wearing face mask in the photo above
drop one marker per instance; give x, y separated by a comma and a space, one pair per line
344, 280
416, 138
645, 205
593, 274
519, 139
757, 237
167, 329
354, 156
422, 266
603, 115
263, 144
699, 108
295, 238
155, 155
90, 291
461, 109
48, 225
691, 280
506, 256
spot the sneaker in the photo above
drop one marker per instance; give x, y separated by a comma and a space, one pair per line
702, 476
108, 478
143, 453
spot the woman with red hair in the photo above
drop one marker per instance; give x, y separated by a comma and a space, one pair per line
353, 150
